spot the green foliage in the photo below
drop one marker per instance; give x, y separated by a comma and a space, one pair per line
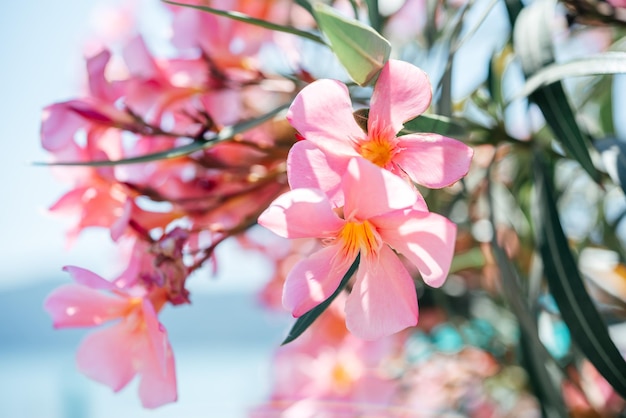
305, 321
225, 134
588, 329
360, 49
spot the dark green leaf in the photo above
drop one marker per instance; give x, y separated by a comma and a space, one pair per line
547, 393
373, 14
359, 48
308, 318
535, 355
586, 326
305, 5
559, 116
225, 134
431, 123
438, 124
251, 20
532, 38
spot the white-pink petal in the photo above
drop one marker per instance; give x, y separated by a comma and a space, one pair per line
310, 166
322, 112
73, 305
301, 213
433, 160
88, 278
402, 92
370, 191
157, 335
312, 280
107, 355
426, 239
157, 385
383, 300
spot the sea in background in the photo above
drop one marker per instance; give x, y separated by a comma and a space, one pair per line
223, 345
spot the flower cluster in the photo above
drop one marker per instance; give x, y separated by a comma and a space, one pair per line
249, 120
168, 210
354, 189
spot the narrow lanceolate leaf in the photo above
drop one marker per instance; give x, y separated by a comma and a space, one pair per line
437, 124
535, 355
601, 64
306, 5
373, 14
308, 318
586, 326
532, 38
359, 48
431, 123
242, 17
225, 134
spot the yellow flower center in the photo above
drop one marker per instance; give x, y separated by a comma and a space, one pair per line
341, 378
359, 236
377, 150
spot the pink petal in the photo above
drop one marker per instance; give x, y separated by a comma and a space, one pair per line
58, 126
139, 60
156, 333
383, 300
402, 92
312, 280
107, 355
73, 305
99, 87
158, 375
88, 278
309, 166
370, 191
301, 213
425, 238
433, 160
156, 387
119, 226
322, 112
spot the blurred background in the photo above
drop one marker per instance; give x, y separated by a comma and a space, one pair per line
223, 368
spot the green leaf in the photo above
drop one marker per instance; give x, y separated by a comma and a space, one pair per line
252, 20
577, 309
431, 123
601, 64
374, 15
308, 318
305, 5
437, 124
532, 38
535, 355
559, 116
225, 134
535, 358
359, 48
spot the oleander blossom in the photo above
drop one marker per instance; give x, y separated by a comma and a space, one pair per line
381, 214
323, 115
136, 344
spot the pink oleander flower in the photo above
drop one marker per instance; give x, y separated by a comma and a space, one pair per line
322, 114
137, 344
382, 213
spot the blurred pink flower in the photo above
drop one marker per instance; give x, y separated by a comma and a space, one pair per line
322, 114
386, 215
137, 344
